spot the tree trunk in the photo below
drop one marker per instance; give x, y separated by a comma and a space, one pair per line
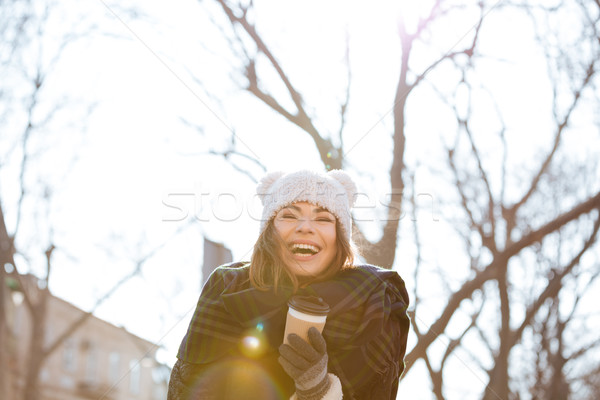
6, 257
36, 356
3, 327
498, 383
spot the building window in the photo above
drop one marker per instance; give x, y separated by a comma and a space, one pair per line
69, 355
91, 366
114, 360
160, 376
134, 376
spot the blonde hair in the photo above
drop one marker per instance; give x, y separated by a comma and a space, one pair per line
268, 268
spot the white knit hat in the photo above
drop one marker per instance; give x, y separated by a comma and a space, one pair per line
334, 190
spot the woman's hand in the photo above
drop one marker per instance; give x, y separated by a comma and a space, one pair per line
306, 364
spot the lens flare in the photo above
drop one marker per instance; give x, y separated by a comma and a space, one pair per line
237, 379
254, 343
251, 342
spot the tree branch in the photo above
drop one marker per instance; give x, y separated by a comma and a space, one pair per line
557, 139
300, 118
554, 286
489, 272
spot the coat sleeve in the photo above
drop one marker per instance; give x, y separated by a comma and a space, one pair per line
384, 384
184, 383
178, 389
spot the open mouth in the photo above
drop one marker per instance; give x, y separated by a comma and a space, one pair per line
304, 250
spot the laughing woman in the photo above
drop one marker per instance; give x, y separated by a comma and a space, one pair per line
234, 347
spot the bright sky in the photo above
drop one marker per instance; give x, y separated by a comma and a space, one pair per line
137, 156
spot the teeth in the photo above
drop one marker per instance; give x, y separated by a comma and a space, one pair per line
298, 246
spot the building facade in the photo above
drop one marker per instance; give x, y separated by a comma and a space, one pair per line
97, 360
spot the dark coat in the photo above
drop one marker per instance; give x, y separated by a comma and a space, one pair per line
236, 330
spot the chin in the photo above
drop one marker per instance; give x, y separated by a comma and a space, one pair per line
307, 271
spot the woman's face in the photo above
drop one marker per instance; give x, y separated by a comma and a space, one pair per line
308, 231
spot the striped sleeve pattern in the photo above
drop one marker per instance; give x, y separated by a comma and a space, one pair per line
212, 322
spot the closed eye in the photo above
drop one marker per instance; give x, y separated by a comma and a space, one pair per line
324, 219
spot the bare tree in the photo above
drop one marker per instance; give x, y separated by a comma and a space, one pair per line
6, 259
510, 214
32, 50
18, 28
11, 27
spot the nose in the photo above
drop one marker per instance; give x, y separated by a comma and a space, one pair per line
304, 225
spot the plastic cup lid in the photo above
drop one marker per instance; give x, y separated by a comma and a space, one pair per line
309, 304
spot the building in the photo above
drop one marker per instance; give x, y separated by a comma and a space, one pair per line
97, 361
215, 254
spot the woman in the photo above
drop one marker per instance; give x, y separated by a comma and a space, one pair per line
233, 347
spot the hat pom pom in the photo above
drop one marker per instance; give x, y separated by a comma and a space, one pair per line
267, 181
347, 183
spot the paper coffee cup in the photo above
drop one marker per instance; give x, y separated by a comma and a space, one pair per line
304, 312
